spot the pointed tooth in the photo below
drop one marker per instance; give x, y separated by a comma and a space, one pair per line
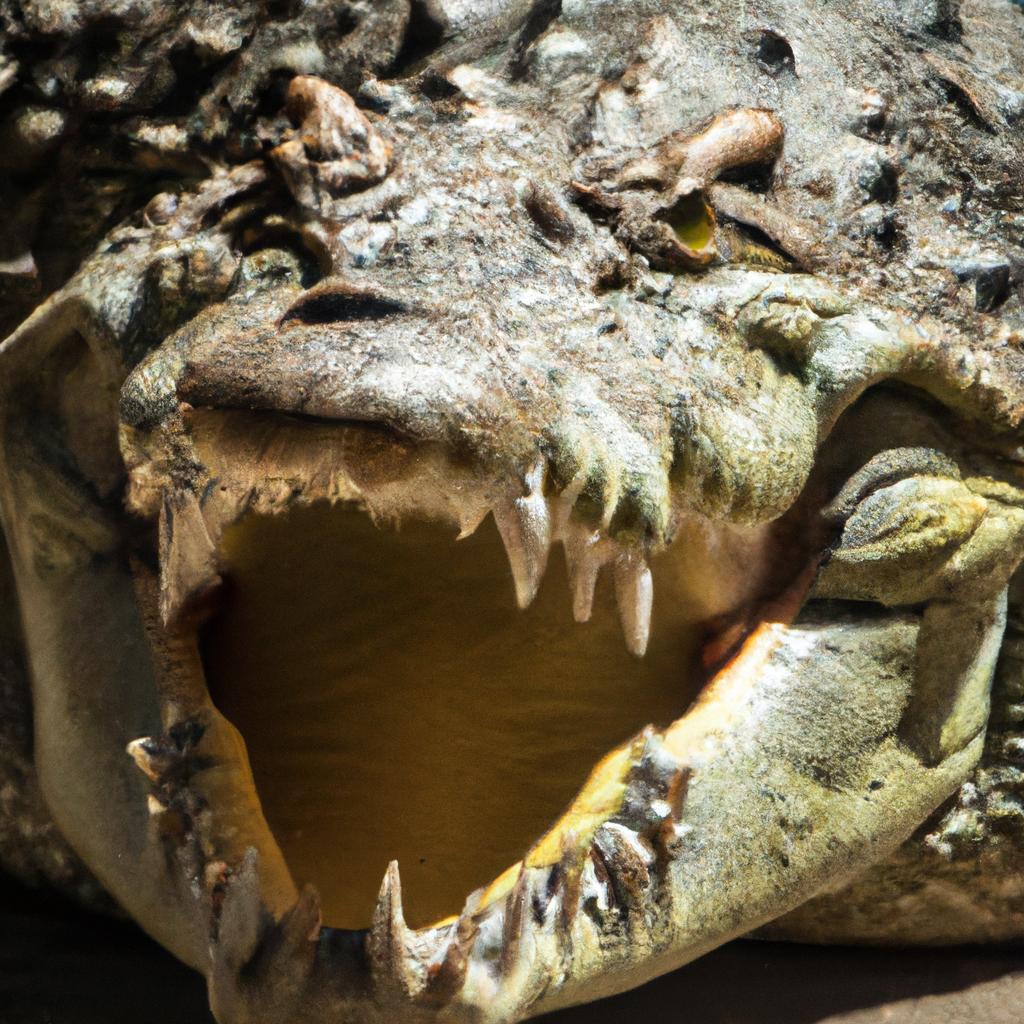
584, 584
150, 755
155, 805
300, 926
610, 498
634, 593
388, 939
470, 520
525, 528
389, 925
586, 552
515, 922
570, 869
215, 872
627, 867
448, 977
562, 527
281, 958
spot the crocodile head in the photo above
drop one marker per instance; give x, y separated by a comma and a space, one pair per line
689, 329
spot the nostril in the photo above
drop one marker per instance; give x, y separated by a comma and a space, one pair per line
774, 53
337, 302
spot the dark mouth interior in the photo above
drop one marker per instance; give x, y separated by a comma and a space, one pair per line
397, 705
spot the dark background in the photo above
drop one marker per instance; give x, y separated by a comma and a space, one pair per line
61, 966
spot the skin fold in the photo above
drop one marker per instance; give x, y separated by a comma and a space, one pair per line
728, 308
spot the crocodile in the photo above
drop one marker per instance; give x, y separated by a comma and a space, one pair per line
712, 313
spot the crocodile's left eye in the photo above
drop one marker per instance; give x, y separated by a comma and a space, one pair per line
693, 221
702, 197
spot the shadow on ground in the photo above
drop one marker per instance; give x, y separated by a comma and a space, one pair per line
60, 966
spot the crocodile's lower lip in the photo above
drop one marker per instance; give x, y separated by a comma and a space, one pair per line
653, 845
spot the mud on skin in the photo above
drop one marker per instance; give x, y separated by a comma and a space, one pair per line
728, 308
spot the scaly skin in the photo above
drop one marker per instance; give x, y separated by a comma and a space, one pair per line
615, 274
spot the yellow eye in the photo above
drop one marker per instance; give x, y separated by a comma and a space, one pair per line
693, 221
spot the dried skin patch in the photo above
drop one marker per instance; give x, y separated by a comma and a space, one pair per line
397, 705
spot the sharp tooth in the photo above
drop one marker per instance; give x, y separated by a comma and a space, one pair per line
470, 520
155, 805
448, 976
388, 939
515, 923
584, 579
300, 926
562, 527
585, 551
634, 593
150, 756
580, 544
628, 866
389, 929
215, 872
525, 528
243, 919
584, 583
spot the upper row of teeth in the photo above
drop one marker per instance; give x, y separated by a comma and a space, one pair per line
528, 526
529, 523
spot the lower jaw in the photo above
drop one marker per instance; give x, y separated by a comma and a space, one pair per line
396, 704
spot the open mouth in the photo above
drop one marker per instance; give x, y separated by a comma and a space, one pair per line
394, 701
396, 704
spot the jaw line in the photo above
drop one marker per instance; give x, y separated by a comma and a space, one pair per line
205, 798
184, 594
653, 857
